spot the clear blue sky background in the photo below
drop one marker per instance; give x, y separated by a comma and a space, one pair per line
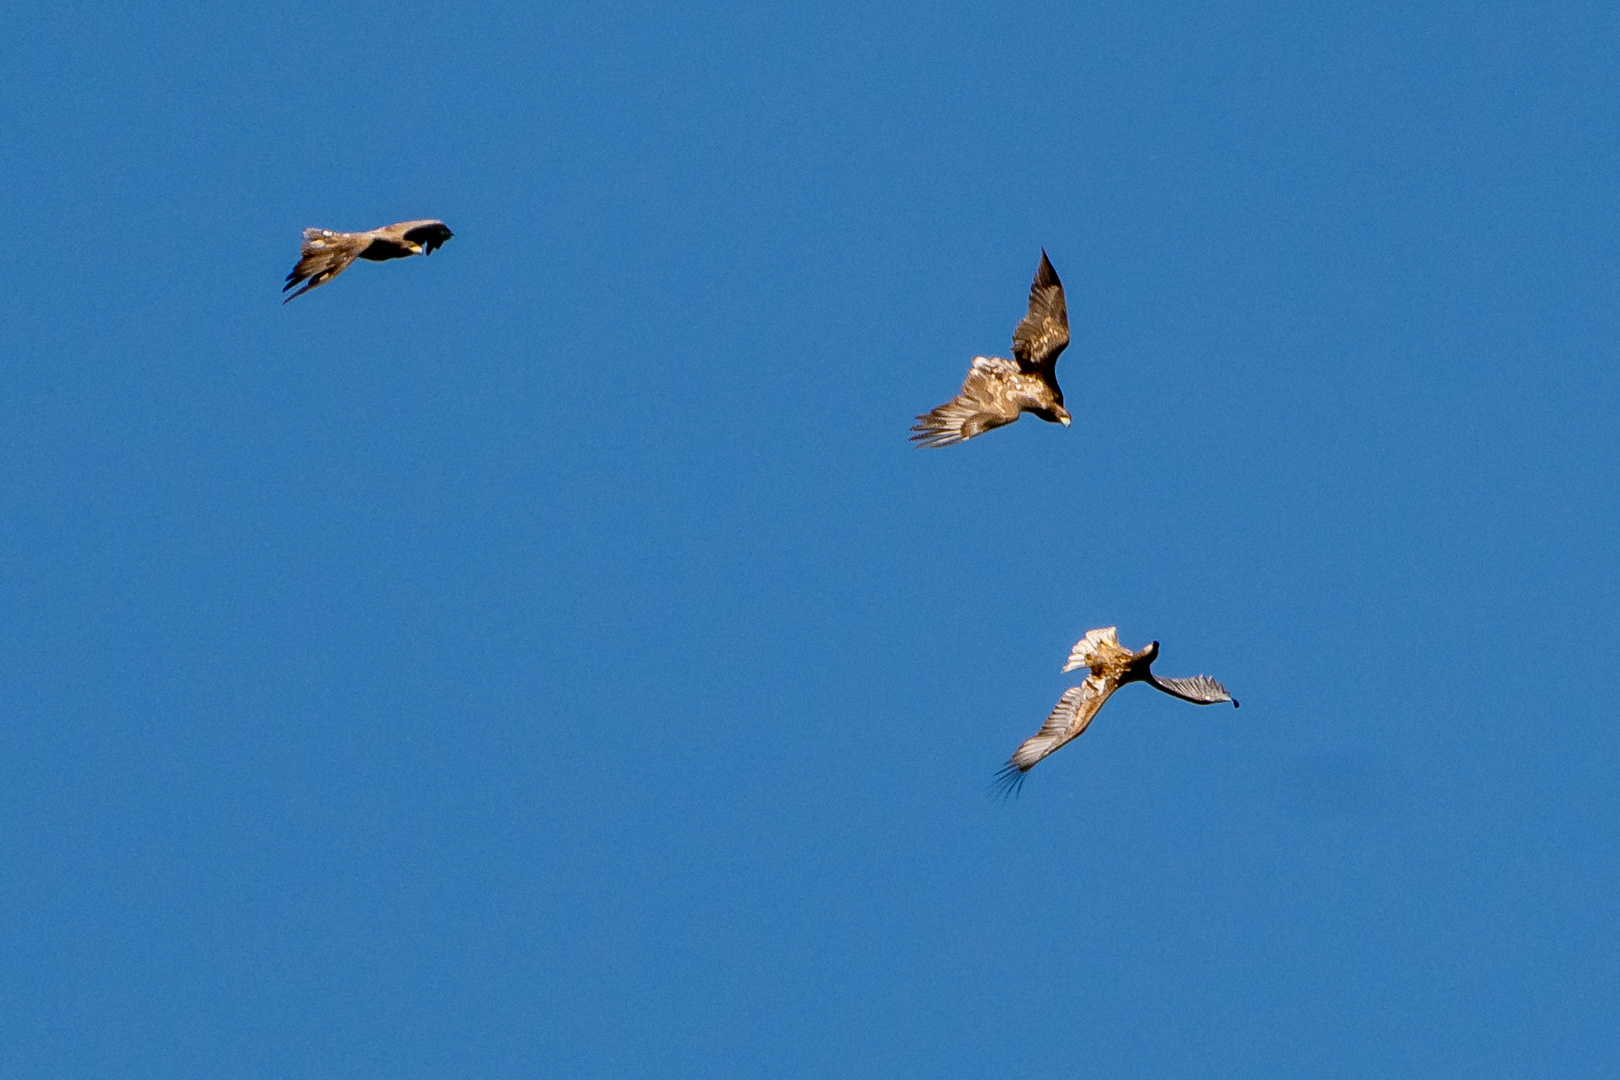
550, 657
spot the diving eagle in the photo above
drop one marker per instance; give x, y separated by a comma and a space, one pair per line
997, 389
327, 254
1111, 668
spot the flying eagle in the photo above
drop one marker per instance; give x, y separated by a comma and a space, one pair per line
1111, 668
997, 389
327, 254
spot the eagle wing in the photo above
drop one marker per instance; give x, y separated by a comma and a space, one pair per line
1200, 689
1044, 332
430, 233
1068, 721
325, 255
986, 401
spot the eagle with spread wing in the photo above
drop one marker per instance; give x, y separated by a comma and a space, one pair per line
997, 390
1112, 666
326, 254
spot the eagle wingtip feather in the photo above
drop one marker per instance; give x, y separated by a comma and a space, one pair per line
1009, 781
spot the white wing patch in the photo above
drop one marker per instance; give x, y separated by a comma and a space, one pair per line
994, 365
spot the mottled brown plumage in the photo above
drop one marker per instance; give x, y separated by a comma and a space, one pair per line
1112, 666
997, 390
326, 254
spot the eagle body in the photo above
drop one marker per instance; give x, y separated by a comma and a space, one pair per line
997, 390
326, 254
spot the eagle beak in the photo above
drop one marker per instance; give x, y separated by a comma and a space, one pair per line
416, 249
1064, 416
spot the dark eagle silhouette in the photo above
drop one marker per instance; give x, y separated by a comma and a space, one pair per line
1112, 666
326, 254
997, 390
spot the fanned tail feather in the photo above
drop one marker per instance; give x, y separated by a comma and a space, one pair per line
943, 426
1085, 650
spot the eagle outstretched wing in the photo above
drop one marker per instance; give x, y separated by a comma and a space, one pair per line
428, 233
1044, 332
1200, 689
1068, 720
324, 256
986, 401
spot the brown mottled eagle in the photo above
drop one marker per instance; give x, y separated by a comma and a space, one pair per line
1112, 666
327, 254
997, 390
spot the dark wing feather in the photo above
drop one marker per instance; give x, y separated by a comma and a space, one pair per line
1009, 781
1044, 332
1200, 689
394, 241
430, 234
986, 402
324, 256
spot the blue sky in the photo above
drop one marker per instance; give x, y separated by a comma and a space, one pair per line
550, 657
